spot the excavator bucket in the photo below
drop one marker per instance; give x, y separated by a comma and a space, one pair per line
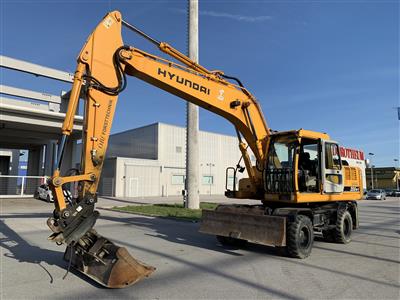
104, 262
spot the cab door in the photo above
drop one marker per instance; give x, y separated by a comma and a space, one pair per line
331, 165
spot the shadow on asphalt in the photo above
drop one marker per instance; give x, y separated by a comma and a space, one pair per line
20, 250
166, 229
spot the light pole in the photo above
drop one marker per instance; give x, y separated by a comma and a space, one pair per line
192, 119
372, 171
211, 179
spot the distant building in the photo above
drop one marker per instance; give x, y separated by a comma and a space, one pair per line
384, 178
150, 161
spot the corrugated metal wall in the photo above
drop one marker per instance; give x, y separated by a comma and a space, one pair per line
138, 143
107, 186
165, 175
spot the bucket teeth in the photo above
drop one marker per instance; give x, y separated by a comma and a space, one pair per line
104, 262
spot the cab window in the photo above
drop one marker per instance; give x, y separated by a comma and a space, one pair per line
332, 157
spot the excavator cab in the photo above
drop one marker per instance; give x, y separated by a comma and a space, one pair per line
302, 163
301, 166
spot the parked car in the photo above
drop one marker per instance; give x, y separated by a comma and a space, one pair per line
43, 192
376, 194
395, 193
389, 192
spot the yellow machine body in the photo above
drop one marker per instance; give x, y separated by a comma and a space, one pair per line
102, 65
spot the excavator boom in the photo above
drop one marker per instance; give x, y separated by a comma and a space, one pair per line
102, 65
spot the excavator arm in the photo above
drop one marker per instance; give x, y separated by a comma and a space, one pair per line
102, 66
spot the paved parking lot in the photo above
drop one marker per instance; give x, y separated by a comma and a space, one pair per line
191, 265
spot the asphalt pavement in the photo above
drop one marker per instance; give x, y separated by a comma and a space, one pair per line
191, 265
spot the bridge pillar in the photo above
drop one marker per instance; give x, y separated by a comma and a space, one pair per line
35, 161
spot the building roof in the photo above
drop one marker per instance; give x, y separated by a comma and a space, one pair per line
171, 125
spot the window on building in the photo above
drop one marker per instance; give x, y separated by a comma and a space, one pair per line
178, 179
178, 149
208, 179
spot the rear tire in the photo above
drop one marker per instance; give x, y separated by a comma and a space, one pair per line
230, 241
36, 195
344, 227
300, 237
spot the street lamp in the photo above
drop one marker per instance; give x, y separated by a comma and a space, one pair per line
372, 170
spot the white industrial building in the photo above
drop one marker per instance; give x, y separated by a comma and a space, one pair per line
150, 161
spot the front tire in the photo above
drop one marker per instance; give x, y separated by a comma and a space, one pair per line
344, 227
300, 237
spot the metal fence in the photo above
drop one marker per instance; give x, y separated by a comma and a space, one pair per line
19, 186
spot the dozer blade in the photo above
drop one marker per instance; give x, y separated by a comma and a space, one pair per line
250, 225
104, 262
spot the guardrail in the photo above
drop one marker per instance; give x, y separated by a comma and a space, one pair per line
12, 186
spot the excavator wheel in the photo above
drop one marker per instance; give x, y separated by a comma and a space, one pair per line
300, 237
344, 227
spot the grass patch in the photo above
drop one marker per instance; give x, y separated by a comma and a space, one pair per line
167, 210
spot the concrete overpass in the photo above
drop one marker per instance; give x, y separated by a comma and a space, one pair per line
32, 120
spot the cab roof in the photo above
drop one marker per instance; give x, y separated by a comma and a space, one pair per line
303, 133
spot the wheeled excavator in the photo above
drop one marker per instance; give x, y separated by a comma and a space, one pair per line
299, 180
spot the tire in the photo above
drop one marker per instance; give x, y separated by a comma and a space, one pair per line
300, 237
344, 227
48, 200
230, 241
36, 195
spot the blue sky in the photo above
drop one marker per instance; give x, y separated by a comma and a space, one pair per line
330, 66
